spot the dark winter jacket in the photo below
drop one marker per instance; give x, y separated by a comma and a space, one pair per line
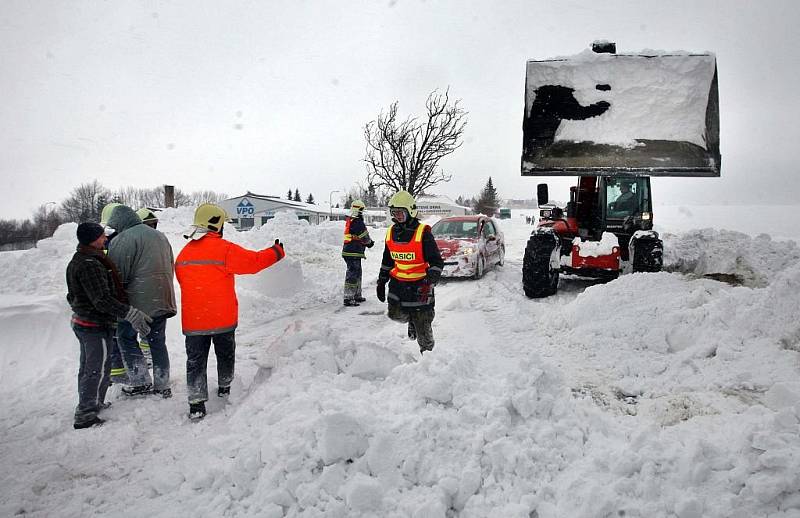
92, 292
356, 238
413, 294
145, 261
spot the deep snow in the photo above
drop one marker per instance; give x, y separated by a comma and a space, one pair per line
669, 394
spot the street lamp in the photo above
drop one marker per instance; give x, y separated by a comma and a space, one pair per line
330, 205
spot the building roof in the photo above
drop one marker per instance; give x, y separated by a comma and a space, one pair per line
308, 207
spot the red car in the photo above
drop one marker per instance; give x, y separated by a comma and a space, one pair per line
469, 245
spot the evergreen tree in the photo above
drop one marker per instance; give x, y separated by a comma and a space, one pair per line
488, 201
310, 199
289, 195
297, 195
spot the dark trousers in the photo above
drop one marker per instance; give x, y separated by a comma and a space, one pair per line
94, 372
118, 372
352, 278
135, 362
197, 348
421, 318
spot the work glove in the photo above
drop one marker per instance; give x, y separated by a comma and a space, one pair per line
381, 290
370, 244
139, 321
433, 276
278, 246
424, 291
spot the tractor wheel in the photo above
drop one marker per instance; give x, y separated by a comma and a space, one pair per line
648, 254
539, 278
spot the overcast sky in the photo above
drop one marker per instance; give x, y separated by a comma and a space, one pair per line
271, 95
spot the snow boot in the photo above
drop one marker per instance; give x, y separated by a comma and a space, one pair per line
197, 411
412, 331
223, 391
360, 299
165, 393
138, 390
95, 421
350, 302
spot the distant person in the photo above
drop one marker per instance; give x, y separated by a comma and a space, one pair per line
148, 217
626, 201
412, 266
97, 298
205, 269
146, 265
356, 239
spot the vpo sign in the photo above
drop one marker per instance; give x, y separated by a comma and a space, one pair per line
245, 209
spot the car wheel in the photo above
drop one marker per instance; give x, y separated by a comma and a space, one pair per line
501, 254
479, 267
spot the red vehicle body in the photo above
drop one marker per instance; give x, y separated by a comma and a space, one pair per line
469, 245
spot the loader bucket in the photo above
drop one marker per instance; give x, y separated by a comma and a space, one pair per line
632, 114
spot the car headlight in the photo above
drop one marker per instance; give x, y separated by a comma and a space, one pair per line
467, 250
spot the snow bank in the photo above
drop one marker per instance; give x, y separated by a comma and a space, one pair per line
667, 394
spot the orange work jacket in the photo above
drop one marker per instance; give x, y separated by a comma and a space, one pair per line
205, 270
409, 258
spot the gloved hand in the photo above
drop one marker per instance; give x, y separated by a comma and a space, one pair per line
278, 246
139, 321
424, 291
381, 290
433, 276
370, 244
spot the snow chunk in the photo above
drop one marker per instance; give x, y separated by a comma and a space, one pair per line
597, 248
363, 493
340, 437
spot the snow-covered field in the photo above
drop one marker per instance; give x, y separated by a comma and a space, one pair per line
669, 394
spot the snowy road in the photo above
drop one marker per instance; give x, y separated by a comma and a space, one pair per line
663, 394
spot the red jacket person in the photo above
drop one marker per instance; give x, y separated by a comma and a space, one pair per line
205, 270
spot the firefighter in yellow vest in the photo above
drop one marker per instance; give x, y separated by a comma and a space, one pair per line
356, 238
412, 265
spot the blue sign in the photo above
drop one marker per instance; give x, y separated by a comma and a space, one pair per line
245, 209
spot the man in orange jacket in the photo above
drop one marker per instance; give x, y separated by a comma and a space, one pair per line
209, 309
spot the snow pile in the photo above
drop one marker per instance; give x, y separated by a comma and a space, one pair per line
671, 89
597, 248
731, 255
653, 395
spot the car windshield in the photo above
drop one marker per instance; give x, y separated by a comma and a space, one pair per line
455, 229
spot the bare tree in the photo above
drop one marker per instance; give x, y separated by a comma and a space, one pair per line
45, 222
406, 155
85, 202
137, 197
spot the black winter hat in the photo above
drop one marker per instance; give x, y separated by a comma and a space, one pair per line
88, 232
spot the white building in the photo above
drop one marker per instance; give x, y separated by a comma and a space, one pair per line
249, 210
434, 205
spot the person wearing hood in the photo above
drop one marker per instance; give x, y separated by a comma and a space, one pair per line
205, 269
150, 219
97, 299
145, 261
412, 266
356, 239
